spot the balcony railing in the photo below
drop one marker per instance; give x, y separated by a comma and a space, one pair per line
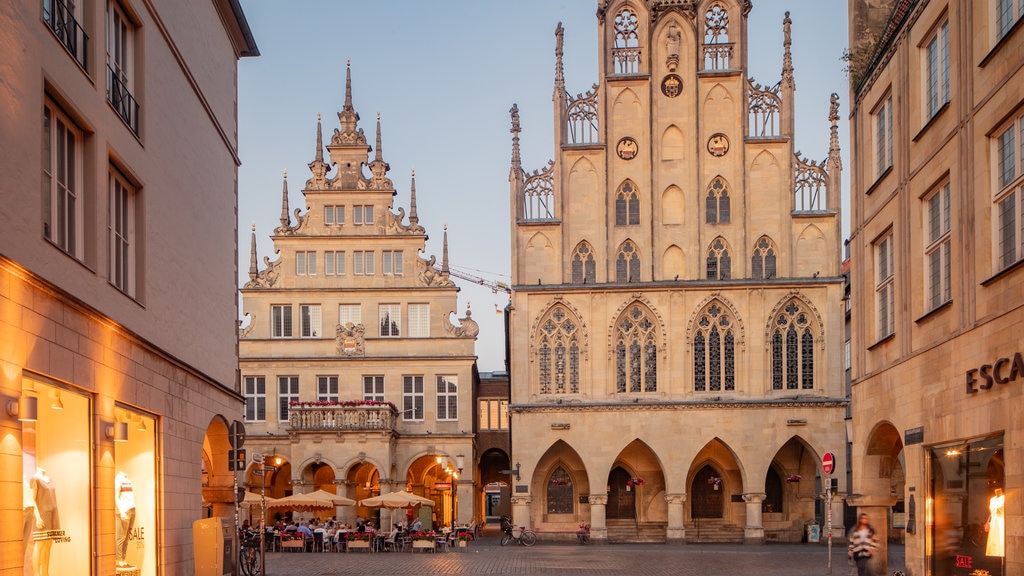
341, 418
122, 100
61, 20
717, 56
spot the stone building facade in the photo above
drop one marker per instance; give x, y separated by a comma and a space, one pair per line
117, 294
937, 248
677, 316
357, 380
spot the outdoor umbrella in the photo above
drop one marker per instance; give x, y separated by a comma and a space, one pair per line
252, 500
319, 500
395, 500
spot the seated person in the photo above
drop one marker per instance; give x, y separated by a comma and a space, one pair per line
304, 530
417, 526
390, 539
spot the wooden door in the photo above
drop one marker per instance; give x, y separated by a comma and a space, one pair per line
706, 491
621, 496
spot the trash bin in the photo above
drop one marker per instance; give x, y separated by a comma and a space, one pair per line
813, 533
213, 545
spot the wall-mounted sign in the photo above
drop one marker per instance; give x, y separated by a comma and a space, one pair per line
1002, 371
913, 436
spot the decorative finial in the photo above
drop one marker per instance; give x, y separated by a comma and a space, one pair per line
787, 57
286, 222
253, 226
559, 73
318, 167
516, 160
253, 269
444, 253
834, 159
414, 220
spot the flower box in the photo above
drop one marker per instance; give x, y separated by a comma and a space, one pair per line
357, 544
423, 544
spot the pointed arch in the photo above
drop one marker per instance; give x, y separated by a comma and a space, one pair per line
583, 265
626, 48
627, 262
717, 102
717, 47
717, 337
673, 263
539, 257
717, 203
672, 205
635, 342
714, 473
627, 204
810, 245
792, 331
672, 144
560, 456
626, 105
764, 259
559, 343
582, 179
718, 264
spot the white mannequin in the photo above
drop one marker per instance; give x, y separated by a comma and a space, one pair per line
45, 497
124, 498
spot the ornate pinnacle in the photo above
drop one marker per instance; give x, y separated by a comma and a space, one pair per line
348, 84
253, 269
834, 158
348, 117
379, 157
414, 220
787, 57
444, 253
559, 74
516, 160
286, 221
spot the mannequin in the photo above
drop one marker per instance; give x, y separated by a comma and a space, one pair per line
996, 525
125, 500
45, 497
29, 505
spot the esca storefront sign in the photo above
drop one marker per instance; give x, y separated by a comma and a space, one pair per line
1003, 371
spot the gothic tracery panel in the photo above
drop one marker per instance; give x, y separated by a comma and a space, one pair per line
792, 336
635, 350
714, 350
559, 343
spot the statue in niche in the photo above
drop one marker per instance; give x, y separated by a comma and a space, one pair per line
673, 37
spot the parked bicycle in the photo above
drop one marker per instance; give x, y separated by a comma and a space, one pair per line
521, 535
250, 561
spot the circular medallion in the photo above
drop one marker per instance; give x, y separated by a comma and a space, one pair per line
718, 145
672, 85
626, 148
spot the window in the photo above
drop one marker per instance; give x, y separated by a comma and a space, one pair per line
362, 215
716, 204
62, 182
63, 18
719, 265
636, 351
1009, 199
627, 205
281, 319
792, 345
121, 231
717, 48
559, 338
327, 388
1007, 13
627, 264
309, 319
584, 268
494, 414
762, 262
937, 248
885, 294
883, 137
362, 262
287, 392
447, 398
560, 492
419, 320
937, 69
848, 361
373, 388
412, 397
255, 398
334, 215
305, 263
334, 263
350, 313
120, 65
390, 318
714, 350
626, 52
392, 262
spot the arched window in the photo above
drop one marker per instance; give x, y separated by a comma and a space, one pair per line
714, 351
559, 493
719, 265
626, 53
636, 351
772, 502
627, 263
716, 204
627, 205
717, 48
792, 342
762, 261
558, 352
584, 268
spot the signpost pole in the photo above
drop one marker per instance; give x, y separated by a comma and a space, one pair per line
828, 461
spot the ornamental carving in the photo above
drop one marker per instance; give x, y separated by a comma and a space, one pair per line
267, 277
428, 275
599, 499
467, 328
351, 339
675, 498
795, 295
244, 332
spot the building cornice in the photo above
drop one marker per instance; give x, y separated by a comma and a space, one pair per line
708, 404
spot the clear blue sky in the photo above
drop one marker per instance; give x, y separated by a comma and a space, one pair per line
443, 75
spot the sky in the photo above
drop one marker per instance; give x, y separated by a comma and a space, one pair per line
443, 76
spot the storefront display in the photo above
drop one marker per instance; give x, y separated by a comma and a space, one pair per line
135, 493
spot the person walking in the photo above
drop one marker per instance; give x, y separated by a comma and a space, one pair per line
862, 545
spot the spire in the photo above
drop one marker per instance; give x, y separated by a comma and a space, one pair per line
834, 160
348, 83
787, 56
444, 253
253, 269
559, 73
348, 117
517, 165
380, 154
379, 167
286, 221
318, 167
319, 157
414, 220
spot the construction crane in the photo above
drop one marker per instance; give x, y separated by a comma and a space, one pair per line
493, 285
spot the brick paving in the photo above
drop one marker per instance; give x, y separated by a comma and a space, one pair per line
486, 556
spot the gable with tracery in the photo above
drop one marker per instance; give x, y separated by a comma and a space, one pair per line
795, 344
560, 349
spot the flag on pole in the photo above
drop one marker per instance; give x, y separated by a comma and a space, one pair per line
497, 310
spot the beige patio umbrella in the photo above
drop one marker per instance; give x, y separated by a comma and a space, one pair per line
319, 500
252, 500
395, 500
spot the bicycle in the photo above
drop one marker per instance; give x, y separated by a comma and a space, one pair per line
523, 536
250, 561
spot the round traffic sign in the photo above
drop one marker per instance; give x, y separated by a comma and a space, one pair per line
828, 462
236, 434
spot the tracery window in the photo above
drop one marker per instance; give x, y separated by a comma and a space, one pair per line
719, 264
559, 493
636, 351
717, 48
792, 345
714, 351
559, 349
584, 267
626, 53
627, 205
717, 203
762, 261
627, 263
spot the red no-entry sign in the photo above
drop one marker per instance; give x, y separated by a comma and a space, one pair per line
828, 462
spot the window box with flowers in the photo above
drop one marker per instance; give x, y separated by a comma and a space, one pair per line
636, 481
794, 478
715, 482
423, 540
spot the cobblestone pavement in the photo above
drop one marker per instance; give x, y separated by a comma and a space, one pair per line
565, 559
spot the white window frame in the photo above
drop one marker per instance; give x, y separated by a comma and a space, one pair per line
363, 263
493, 414
447, 397
419, 320
412, 398
63, 198
392, 314
937, 239
305, 263
1006, 14
281, 321
936, 69
334, 215
881, 120
327, 388
310, 321
287, 391
334, 263
392, 262
362, 215
121, 232
329, 263
1008, 200
350, 313
255, 392
885, 294
373, 388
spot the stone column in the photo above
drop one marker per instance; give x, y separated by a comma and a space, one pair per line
521, 511
676, 533
348, 514
598, 527
753, 532
877, 509
387, 486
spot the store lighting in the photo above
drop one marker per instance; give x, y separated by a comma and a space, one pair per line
25, 408
118, 431
142, 425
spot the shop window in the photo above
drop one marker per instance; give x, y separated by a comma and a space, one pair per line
135, 491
